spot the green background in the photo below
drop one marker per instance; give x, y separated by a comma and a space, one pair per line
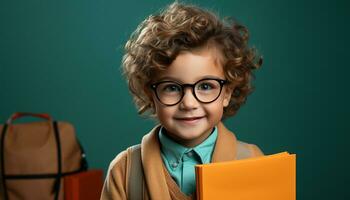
63, 58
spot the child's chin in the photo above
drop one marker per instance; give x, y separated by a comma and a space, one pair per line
190, 134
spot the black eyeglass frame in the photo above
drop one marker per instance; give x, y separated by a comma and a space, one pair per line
183, 86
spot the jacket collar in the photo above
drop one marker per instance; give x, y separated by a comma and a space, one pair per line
153, 164
225, 146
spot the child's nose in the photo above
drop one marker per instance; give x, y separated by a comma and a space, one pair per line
189, 101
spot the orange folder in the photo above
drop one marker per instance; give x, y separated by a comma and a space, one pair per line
271, 177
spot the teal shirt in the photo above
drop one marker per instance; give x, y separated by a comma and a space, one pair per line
180, 160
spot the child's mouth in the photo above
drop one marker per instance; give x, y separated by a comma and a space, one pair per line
189, 120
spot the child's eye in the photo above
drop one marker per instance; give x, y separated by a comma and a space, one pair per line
205, 86
171, 88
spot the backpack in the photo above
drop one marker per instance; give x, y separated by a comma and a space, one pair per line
35, 156
136, 176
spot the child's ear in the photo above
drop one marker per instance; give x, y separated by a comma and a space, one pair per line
227, 95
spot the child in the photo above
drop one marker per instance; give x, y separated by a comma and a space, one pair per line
189, 70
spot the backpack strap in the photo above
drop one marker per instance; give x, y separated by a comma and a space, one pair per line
135, 190
243, 150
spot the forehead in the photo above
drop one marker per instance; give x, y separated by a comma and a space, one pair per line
191, 66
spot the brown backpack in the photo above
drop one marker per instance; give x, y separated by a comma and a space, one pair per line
35, 156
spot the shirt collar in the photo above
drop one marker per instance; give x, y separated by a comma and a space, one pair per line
174, 151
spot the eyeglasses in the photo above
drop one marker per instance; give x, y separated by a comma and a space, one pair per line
171, 93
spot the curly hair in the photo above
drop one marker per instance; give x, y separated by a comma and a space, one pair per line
160, 38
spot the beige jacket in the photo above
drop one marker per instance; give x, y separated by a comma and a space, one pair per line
158, 183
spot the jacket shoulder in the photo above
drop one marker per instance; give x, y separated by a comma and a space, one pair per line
115, 183
119, 161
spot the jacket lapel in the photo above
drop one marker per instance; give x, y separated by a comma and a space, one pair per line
153, 166
225, 146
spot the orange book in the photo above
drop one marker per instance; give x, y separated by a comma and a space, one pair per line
271, 177
84, 185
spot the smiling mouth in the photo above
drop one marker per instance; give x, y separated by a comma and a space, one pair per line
189, 119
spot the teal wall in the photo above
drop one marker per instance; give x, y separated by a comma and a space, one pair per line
63, 58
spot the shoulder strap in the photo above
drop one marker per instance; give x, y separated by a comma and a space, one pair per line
135, 189
243, 150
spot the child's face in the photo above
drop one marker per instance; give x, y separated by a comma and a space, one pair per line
190, 121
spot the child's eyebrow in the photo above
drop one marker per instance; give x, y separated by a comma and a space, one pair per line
169, 78
175, 79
